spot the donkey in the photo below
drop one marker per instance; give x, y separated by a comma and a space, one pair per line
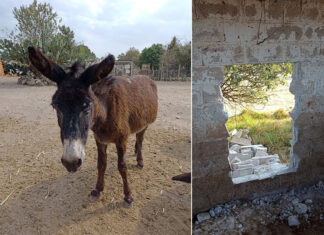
113, 107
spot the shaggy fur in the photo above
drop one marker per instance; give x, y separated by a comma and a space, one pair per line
113, 107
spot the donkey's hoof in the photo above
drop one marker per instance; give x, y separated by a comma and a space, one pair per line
140, 165
129, 200
94, 195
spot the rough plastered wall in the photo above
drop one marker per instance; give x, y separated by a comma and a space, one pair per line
246, 32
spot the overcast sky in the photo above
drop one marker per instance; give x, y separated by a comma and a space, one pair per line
115, 25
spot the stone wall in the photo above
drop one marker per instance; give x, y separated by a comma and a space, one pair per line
247, 32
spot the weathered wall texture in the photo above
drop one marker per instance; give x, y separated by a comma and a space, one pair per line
245, 32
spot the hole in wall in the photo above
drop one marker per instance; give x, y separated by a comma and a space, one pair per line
258, 101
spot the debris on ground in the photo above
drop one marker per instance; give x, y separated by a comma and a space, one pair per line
31, 79
295, 210
251, 162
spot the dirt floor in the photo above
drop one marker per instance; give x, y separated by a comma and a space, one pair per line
298, 211
45, 199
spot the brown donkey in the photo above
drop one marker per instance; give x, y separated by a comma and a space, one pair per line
113, 107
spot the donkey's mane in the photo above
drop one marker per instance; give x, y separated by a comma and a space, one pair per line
76, 69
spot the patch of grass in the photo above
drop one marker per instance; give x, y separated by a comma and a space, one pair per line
273, 130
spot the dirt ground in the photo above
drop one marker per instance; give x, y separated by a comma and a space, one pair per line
269, 214
45, 199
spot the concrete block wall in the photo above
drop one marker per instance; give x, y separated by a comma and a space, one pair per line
247, 32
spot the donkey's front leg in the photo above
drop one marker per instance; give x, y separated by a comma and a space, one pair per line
122, 167
102, 165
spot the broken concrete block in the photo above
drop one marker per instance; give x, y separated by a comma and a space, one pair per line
203, 216
243, 156
255, 162
235, 148
233, 132
242, 172
247, 151
259, 153
261, 169
267, 159
232, 155
240, 141
235, 160
238, 134
262, 149
240, 165
245, 133
293, 221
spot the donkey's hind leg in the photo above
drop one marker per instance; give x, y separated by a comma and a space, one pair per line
138, 147
122, 167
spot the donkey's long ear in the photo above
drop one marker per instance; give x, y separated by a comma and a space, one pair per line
98, 71
44, 65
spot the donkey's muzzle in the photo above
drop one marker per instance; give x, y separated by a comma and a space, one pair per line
72, 166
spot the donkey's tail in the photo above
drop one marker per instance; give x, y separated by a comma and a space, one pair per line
185, 177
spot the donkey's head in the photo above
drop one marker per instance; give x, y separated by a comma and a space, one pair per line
72, 102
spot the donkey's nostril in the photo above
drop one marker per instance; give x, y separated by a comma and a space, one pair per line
79, 162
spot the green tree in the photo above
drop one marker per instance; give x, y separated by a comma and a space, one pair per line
132, 54
151, 55
177, 58
249, 84
39, 25
83, 53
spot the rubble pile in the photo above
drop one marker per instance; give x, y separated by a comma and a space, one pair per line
251, 162
294, 210
31, 80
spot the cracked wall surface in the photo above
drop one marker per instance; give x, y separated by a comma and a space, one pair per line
248, 32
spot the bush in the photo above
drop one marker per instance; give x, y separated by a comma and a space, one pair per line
13, 67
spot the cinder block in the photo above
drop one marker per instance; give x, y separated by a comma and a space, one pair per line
244, 157
235, 148
242, 172
247, 151
240, 141
259, 153
267, 159
242, 165
232, 155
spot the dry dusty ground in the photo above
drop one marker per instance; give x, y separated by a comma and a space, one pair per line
46, 199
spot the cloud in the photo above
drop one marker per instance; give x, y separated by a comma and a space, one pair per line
115, 26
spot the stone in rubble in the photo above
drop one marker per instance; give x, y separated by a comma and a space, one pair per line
232, 155
235, 148
238, 166
203, 216
242, 172
267, 159
212, 213
240, 141
247, 151
293, 221
244, 157
301, 208
259, 153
